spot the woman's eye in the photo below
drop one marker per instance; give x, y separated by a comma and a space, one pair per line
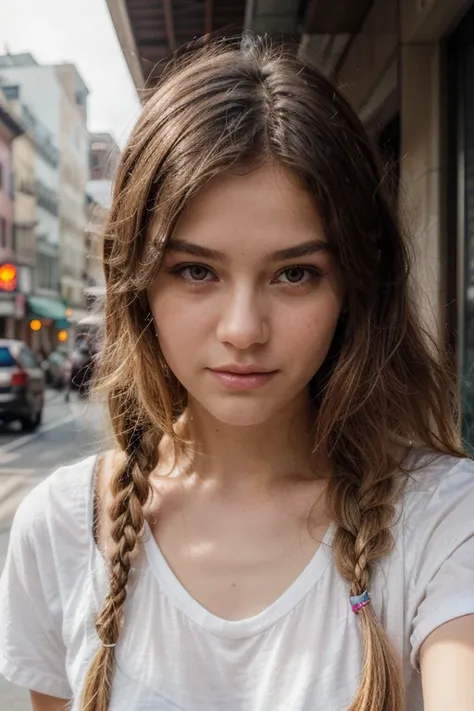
195, 272
297, 275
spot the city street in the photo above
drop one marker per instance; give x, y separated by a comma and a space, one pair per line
70, 431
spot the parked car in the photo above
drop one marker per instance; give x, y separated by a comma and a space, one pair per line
57, 367
22, 384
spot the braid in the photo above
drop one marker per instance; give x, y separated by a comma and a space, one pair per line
130, 489
364, 513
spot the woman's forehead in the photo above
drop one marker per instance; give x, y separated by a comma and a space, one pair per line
265, 209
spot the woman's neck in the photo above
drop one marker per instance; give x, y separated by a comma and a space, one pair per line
250, 457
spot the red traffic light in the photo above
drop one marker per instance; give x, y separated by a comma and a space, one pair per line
8, 277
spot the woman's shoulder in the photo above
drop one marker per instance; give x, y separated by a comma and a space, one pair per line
434, 477
438, 501
56, 511
434, 535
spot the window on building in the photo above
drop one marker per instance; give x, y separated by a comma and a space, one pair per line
47, 272
11, 92
81, 98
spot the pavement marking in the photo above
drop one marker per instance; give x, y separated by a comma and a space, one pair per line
8, 458
8, 487
4, 473
9, 505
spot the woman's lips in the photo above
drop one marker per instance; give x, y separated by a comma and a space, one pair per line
242, 381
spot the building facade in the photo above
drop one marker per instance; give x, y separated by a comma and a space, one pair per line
104, 156
96, 216
25, 203
10, 129
73, 176
36, 160
52, 101
36, 92
11, 302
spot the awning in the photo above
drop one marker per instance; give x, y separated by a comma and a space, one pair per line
47, 307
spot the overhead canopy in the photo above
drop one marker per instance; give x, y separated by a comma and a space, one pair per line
149, 31
47, 307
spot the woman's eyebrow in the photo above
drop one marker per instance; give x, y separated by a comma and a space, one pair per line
304, 249
195, 250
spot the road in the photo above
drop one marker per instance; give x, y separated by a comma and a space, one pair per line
70, 431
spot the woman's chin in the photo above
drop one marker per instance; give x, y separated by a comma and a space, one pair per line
248, 409
240, 414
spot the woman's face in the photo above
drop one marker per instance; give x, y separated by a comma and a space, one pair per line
248, 297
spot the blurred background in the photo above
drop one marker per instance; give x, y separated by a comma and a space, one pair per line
72, 74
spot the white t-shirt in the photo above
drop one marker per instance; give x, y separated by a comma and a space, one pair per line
303, 653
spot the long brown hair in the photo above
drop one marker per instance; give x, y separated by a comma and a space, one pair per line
221, 107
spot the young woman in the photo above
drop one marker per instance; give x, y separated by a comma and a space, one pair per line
287, 520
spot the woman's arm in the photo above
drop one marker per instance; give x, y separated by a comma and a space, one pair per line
41, 702
447, 666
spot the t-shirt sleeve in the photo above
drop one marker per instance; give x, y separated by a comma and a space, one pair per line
32, 651
441, 552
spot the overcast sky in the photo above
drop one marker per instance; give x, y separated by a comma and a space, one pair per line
81, 32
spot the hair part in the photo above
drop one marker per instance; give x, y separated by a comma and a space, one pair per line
382, 388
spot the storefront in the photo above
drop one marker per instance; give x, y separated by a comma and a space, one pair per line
49, 323
460, 258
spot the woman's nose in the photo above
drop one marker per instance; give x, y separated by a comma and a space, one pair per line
242, 321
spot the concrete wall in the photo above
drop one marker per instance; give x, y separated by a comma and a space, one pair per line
397, 63
422, 65
423, 171
372, 52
